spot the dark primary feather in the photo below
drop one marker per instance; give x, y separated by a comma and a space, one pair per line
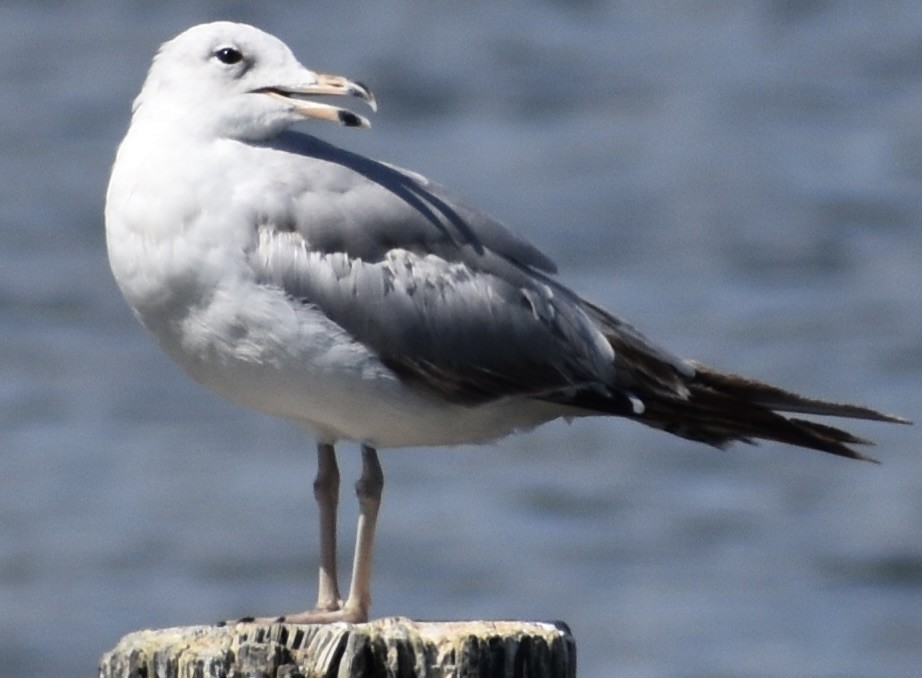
457, 305
718, 408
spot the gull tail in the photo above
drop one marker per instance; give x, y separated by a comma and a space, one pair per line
719, 408
702, 403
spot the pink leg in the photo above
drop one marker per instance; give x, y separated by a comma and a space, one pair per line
326, 492
368, 491
330, 608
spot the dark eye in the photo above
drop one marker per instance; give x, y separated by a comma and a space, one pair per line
229, 55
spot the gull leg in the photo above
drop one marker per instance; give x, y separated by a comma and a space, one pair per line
368, 491
326, 492
326, 489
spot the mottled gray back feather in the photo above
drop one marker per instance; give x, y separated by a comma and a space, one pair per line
407, 211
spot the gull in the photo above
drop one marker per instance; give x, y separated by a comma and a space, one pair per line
368, 304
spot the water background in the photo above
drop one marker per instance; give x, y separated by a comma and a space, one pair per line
740, 179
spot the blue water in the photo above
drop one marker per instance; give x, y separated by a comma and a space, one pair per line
740, 179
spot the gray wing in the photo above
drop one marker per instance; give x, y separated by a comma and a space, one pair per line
443, 295
369, 207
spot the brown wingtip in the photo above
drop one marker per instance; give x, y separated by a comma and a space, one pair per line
782, 400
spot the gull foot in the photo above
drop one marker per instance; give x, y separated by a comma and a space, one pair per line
353, 615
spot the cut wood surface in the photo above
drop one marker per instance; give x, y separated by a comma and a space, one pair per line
396, 646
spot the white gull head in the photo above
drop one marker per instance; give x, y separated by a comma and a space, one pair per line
235, 81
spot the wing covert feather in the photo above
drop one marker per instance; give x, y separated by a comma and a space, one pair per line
366, 208
472, 335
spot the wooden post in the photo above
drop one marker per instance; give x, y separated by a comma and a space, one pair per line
396, 646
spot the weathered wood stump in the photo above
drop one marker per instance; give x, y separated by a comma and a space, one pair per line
397, 647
